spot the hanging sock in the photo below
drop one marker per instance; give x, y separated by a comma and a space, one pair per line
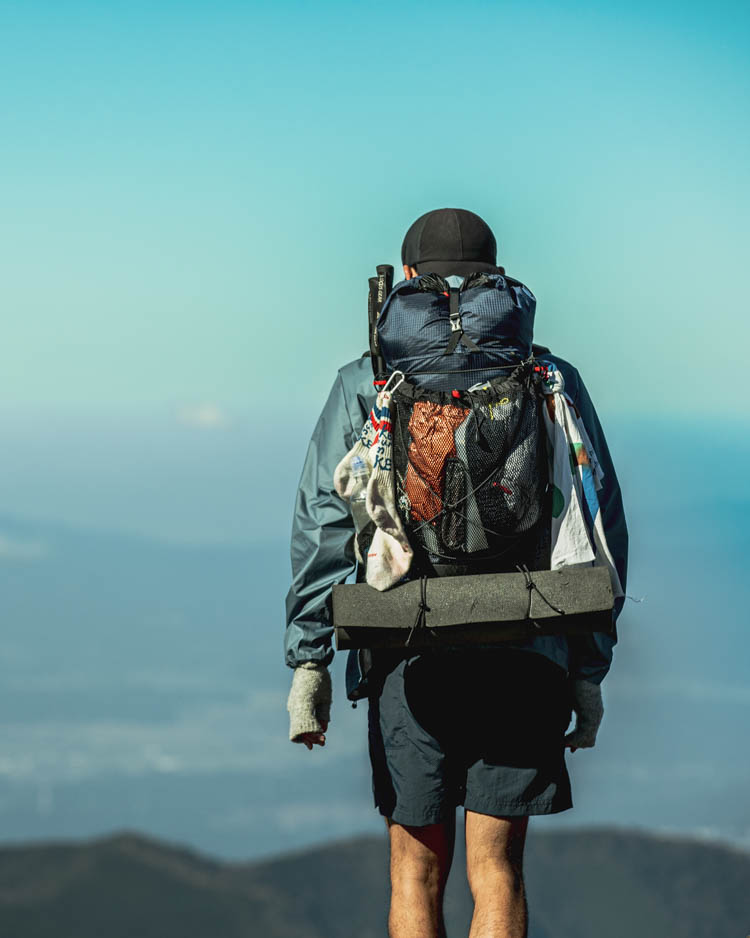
387, 561
364, 448
390, 554
394, 555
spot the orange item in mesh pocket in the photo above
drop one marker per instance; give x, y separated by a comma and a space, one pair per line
432, 428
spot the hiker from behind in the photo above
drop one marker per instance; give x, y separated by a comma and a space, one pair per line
478, 454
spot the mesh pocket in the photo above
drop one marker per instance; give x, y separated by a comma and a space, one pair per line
471, 474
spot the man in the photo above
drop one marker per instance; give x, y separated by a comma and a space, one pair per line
479, 727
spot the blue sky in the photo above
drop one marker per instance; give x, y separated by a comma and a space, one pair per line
192, 198
195, 194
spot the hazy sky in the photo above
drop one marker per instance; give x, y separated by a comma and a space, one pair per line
194, 194
192, 198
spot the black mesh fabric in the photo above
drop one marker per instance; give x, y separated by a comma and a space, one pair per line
471, 468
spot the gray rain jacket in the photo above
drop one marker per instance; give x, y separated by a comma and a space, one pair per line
322, 549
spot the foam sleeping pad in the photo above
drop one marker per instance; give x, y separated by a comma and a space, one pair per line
484, 608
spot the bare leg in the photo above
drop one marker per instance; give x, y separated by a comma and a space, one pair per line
420, 862
494, 866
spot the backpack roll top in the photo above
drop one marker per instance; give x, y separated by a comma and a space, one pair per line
455, 337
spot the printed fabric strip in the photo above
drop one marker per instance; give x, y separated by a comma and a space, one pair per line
576, 474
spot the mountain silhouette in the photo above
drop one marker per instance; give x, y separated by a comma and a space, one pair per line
599, 883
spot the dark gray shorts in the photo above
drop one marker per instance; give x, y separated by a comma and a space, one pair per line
481, 728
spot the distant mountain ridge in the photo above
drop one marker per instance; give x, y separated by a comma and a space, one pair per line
598, 883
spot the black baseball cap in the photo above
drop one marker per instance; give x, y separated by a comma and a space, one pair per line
450, 241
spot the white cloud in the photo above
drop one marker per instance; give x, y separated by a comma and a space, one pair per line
248, 733
203, 416
16, 549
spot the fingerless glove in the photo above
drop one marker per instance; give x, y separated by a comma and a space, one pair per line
589, 710
309, 702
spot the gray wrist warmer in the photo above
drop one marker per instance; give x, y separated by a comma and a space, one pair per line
589, 710
309, 700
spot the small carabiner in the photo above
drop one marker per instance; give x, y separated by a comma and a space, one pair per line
388, 389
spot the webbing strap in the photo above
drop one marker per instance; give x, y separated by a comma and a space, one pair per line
471, 346
454, 306
451, 346
457, 331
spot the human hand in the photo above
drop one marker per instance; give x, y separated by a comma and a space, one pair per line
309, 704
589, 710
313, 739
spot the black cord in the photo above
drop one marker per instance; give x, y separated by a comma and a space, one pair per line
531, 585
423, 609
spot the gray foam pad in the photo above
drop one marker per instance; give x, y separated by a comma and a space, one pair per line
485, 607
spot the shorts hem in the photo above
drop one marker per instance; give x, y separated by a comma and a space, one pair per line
517, 808
493, 809
418, 820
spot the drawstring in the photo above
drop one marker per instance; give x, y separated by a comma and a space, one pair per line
531, 585
420, 621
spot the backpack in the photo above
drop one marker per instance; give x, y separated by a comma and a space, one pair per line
461, 474
469, 447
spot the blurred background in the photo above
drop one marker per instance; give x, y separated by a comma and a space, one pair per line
193, 197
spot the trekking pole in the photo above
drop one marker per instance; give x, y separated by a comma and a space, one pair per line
380, 287
372, 320
385, 283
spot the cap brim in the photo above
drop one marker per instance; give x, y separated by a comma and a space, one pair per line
459, 268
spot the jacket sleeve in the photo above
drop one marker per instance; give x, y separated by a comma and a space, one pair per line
591, 655
322, 548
